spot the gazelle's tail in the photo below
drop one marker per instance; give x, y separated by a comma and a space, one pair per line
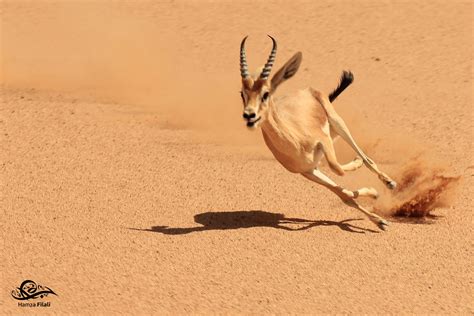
346, 79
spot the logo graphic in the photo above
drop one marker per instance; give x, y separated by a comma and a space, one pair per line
30, 290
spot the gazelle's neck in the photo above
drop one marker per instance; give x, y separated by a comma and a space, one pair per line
271, 124
275, 129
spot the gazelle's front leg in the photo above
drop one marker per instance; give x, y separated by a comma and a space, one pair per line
346, 196
339, 126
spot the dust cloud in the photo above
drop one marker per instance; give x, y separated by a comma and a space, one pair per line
422, 188
105, 52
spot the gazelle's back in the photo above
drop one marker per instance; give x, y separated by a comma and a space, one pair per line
303, 114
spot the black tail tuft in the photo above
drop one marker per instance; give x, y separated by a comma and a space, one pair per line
346, 79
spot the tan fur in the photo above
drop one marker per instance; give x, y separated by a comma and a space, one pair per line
299, 129
292, 129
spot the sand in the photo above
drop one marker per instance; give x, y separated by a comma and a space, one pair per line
130, 184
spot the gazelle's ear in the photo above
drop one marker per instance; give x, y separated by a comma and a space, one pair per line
287, 71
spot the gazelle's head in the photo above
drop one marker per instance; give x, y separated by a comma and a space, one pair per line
257, 90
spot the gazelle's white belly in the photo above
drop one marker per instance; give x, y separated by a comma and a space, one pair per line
294, 159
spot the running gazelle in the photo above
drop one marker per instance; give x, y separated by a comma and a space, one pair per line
300, 128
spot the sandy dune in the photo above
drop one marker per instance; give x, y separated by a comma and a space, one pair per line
130, 184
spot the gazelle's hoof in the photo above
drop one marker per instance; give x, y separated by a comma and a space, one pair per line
391, 184
382, 224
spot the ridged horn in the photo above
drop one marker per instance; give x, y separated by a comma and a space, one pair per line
271, 59
244, 71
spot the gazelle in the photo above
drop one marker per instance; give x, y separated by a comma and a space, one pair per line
300, 128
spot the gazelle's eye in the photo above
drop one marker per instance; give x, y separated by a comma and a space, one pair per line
265, 96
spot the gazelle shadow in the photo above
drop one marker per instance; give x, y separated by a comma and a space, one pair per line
247, 219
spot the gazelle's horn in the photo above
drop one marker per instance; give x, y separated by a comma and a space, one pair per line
244, 71
271, 59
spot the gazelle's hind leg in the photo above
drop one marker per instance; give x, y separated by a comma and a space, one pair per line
345, 195
339, 126
327, 147
353, 165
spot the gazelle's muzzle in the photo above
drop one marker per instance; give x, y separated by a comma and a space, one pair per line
251, 118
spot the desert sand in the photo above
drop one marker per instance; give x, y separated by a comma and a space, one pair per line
130, 184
